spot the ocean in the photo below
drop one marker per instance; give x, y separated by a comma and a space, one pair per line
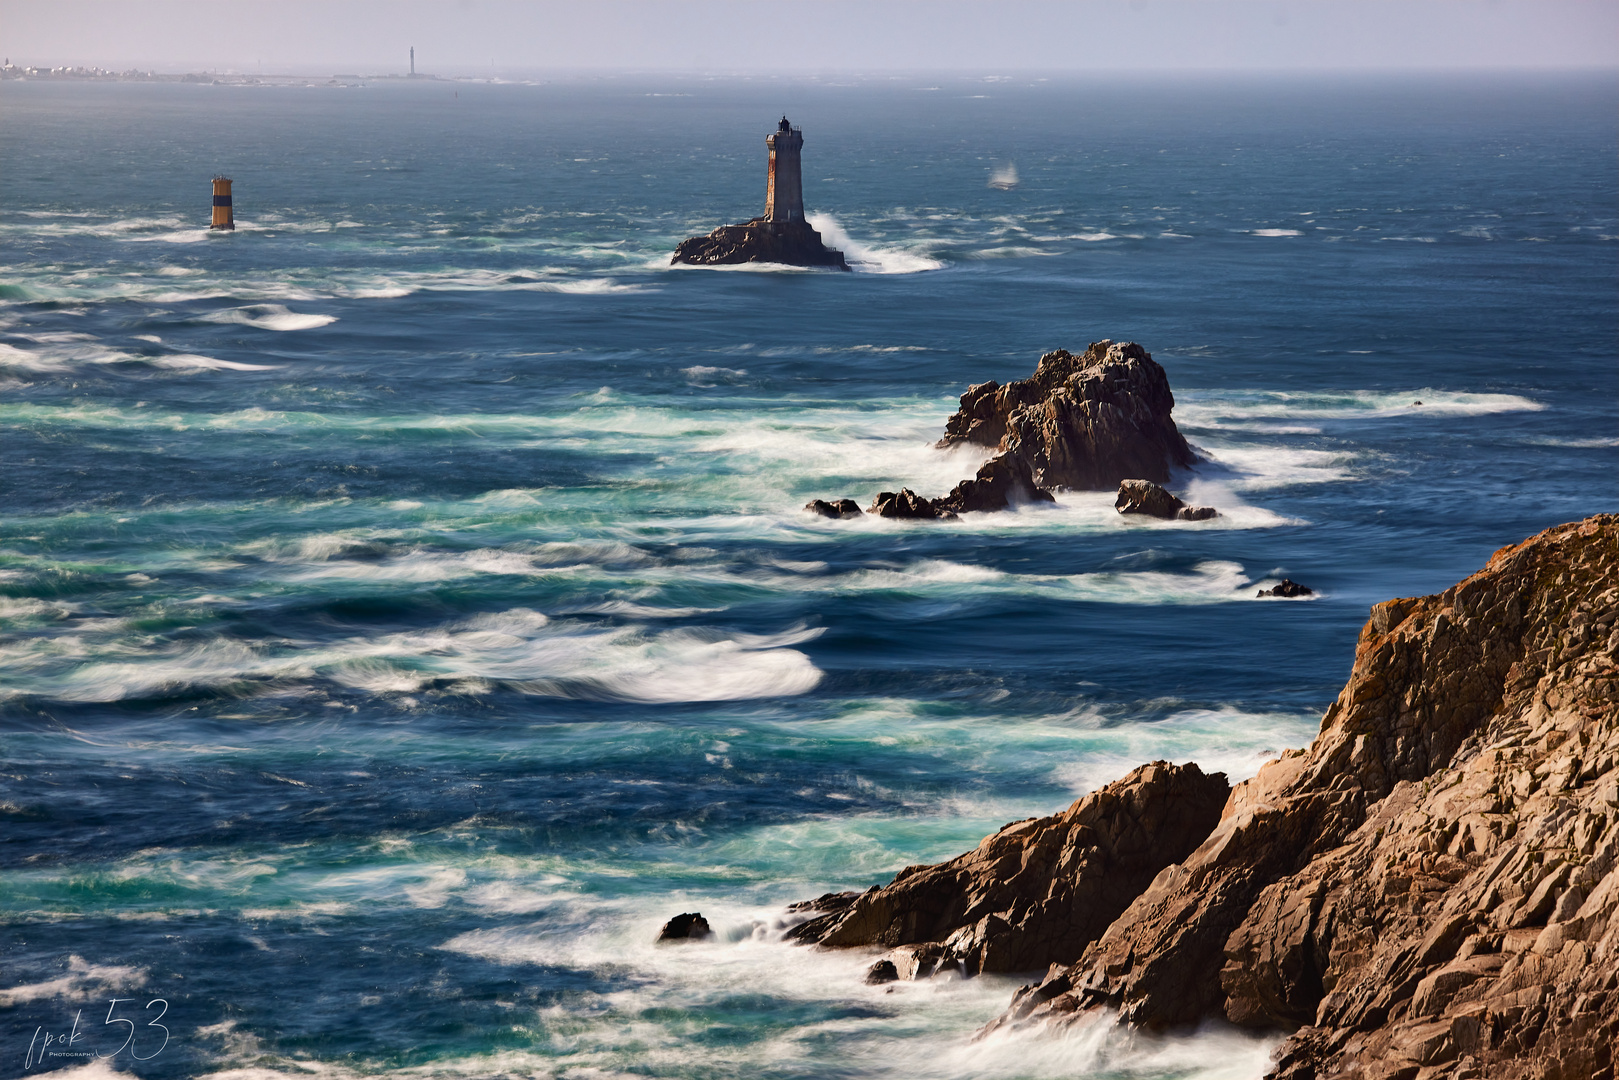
406, 604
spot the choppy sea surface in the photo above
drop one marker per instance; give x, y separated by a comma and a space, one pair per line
406, 604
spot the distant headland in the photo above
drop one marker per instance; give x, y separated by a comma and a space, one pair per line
780, 235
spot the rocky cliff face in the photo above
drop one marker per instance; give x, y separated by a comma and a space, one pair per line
1083, 422
1038, 891
1429, 889
791, 243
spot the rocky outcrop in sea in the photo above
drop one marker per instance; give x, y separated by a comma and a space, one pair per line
760, 240
1085, 422
1429, 890
1095, 421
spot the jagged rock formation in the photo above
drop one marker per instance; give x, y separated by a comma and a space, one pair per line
1038, 891
1146, 497
1094, 421
760, 240
1085, 422
1429, 890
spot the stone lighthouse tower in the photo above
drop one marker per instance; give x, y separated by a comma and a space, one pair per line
780, 234
784, 197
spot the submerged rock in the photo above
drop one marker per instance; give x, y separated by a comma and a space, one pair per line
760, 240
1432, 888
1146, 497
1288, 589
843, 508
690, 926
1085, 422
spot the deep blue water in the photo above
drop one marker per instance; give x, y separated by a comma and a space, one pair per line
405, 604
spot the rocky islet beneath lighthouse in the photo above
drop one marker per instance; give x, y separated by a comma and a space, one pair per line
780, 234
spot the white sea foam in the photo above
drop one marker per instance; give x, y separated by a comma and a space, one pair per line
868, 259
1277, 232
1211, 409
268, 317
521, 649
194, 362
60, 356
705, 375
82, 982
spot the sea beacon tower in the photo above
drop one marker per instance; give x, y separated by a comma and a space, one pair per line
784, 195
223, 218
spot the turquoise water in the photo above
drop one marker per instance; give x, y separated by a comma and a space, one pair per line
405, 604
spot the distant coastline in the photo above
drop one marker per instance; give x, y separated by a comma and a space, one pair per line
215, 78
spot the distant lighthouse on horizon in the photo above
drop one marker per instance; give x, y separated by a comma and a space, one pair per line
413, 61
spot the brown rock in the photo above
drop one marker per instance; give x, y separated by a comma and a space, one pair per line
1430, 888
1146, 497
1083, 422
1039, 890
1002, 482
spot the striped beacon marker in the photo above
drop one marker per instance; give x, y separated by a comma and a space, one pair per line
223, 218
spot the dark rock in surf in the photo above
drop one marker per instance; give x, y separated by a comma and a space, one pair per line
843, 508
1288, 589
906, 503
1146, 497
689, 926
791, 243
883, 971
1001, 482
1085, 422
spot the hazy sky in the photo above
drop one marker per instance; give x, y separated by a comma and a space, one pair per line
473, 37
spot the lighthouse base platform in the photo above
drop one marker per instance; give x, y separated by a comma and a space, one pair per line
791, 243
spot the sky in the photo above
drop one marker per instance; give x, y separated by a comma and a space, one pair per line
525, 38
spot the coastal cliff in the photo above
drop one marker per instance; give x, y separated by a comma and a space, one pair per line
1428, 890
